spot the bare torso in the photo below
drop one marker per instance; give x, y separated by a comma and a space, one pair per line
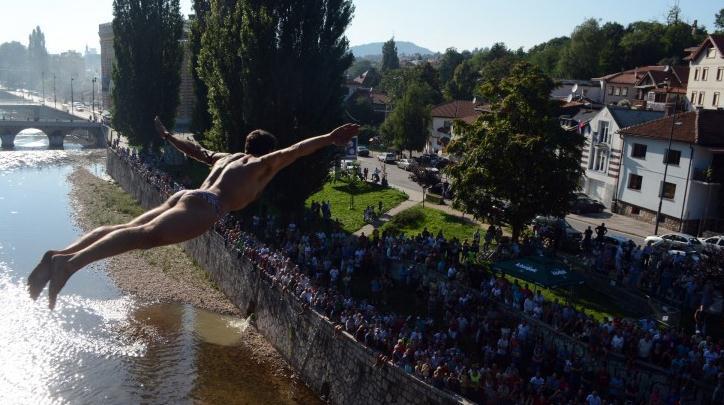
237, 179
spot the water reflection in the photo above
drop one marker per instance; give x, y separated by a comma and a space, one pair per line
101, 346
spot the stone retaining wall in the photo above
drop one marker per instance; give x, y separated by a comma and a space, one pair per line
337, 367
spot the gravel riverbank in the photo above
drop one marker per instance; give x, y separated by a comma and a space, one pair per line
163, 274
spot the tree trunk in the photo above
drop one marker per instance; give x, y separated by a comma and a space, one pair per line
516, 229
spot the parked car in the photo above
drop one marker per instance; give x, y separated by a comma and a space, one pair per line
615, 240
387, 157
363, 151
713, 241
675, 240
404, 164
349, 164
572, 240
585, 205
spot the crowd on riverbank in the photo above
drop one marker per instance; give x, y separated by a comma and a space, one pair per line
462, 337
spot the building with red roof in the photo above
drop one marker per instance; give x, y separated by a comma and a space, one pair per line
651, 169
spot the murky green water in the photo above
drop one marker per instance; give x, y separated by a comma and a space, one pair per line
99, 345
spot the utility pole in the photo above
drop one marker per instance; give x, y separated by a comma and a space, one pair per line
666, 161
55, 97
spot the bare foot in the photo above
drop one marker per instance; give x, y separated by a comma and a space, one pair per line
40, 275
60, 272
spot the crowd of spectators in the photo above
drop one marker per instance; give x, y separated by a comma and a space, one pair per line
462, 328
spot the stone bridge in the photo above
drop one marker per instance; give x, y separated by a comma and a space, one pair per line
55, 130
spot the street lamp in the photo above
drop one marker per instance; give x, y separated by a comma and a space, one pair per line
55, 96
71, 96
666, 160
43, 81
93, 97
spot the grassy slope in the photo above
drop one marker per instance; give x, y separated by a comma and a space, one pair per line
366, 194
452, 226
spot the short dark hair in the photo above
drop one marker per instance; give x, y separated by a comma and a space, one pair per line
260, 142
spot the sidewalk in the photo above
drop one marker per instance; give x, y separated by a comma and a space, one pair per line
618, 223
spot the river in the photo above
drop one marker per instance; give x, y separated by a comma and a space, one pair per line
101, 345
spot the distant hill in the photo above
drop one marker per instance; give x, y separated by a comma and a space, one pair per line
375, 49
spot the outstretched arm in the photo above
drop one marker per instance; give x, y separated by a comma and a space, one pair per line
191, 149
282, 158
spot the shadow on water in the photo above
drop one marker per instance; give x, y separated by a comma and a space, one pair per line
100, 345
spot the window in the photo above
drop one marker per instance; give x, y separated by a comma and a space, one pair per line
674, 156
600, 162
610, 90
696, 74
720, 74
635, 210
634, 181
715, 100
624, 91
711, 52
639, 151
704, 73
603, 131
617, 91
693, 97
701, 98
668, 190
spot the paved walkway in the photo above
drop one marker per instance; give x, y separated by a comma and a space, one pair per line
616, 222
414, 198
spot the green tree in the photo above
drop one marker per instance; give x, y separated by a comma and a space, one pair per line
200, 118
579, 59
719, 21
37, 57
546, 55
407, 125
13, 64
449, 61
641, 44
277, 65
147, 72
610, 57
360, 109
359, 66
518, 153
390, 60
463, 83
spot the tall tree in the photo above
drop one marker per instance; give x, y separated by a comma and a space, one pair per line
579, 60
518, 153
610, 57
407, 125
278, 65
463, 83
37, 57
147, 72
546, 55
449, 61
719, 21
13, 64
201, 118
641, 44
390, 60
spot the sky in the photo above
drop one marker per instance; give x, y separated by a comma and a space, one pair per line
434, 24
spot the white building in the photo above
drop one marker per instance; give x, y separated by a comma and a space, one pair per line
443, 118
706, 74
601, 157
697, 144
